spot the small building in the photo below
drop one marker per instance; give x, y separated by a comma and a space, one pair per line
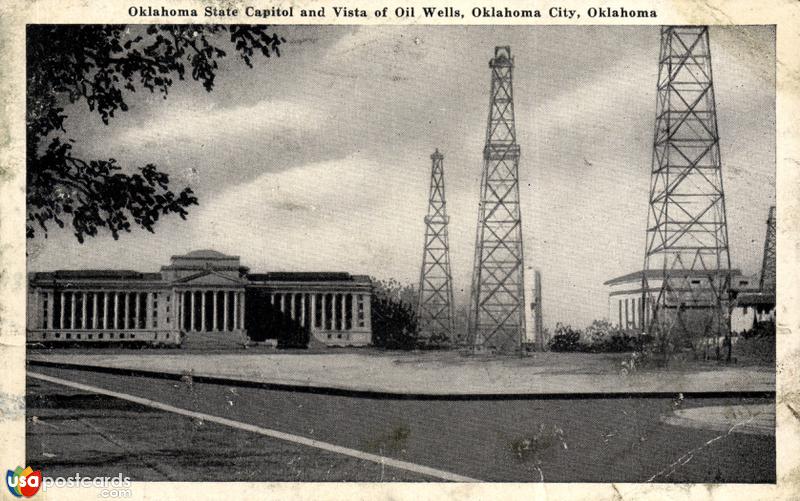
627, 310
751, 308
201, 296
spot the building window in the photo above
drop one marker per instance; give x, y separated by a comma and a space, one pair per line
45, 313
155, 310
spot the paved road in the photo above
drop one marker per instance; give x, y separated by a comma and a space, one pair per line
558, 440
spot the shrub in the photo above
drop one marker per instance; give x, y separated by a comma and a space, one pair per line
394, 319
757, 344
565, 338
600, 331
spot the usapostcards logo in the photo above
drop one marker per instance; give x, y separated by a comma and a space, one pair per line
23, 482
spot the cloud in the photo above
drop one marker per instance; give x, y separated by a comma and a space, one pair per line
182, 123
346, 214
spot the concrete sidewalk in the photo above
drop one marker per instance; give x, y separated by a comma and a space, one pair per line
431, 373
749, 419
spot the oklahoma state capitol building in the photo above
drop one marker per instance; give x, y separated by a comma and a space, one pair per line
201, 296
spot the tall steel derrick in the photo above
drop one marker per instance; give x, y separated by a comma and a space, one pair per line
768, 263
435, 303
497, 303
686, 275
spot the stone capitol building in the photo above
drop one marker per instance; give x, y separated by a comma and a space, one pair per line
200, 297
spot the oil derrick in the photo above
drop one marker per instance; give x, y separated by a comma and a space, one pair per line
497, 302
435, 304
768, 264
686, 275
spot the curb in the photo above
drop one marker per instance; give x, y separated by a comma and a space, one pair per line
393, 395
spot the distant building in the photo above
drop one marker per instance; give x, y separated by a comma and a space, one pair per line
203, 295
626, 309
751, 307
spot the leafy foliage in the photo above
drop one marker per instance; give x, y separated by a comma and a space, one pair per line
758, 344
600, 337
394, 319
99, 65
565, 338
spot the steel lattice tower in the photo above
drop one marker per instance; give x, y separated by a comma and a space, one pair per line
768, 264
497, 303
435, 303
686, 275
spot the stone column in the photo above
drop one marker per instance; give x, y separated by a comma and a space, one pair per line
94, 310
302, 309
333, 312
61, 312
105, 310
283, 302
291, 306
241, 308
116, 309
344, 311
126, 300
72, 310
192, 312
312, 298
225, 311
235, 310
272, 299
214, 307
353, 311
203, 311
84, 300
137, 309
323, 298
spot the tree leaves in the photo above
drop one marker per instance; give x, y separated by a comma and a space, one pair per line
99, 65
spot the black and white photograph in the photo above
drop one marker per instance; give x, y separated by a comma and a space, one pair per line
399, 253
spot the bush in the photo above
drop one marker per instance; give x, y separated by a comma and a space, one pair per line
600, 337
565, 339
757, 344
394, 319
760, 330
600, 331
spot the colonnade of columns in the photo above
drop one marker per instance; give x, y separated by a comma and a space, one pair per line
96, 309
321, 311
211, 310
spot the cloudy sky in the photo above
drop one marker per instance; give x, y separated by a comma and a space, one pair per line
320, 159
